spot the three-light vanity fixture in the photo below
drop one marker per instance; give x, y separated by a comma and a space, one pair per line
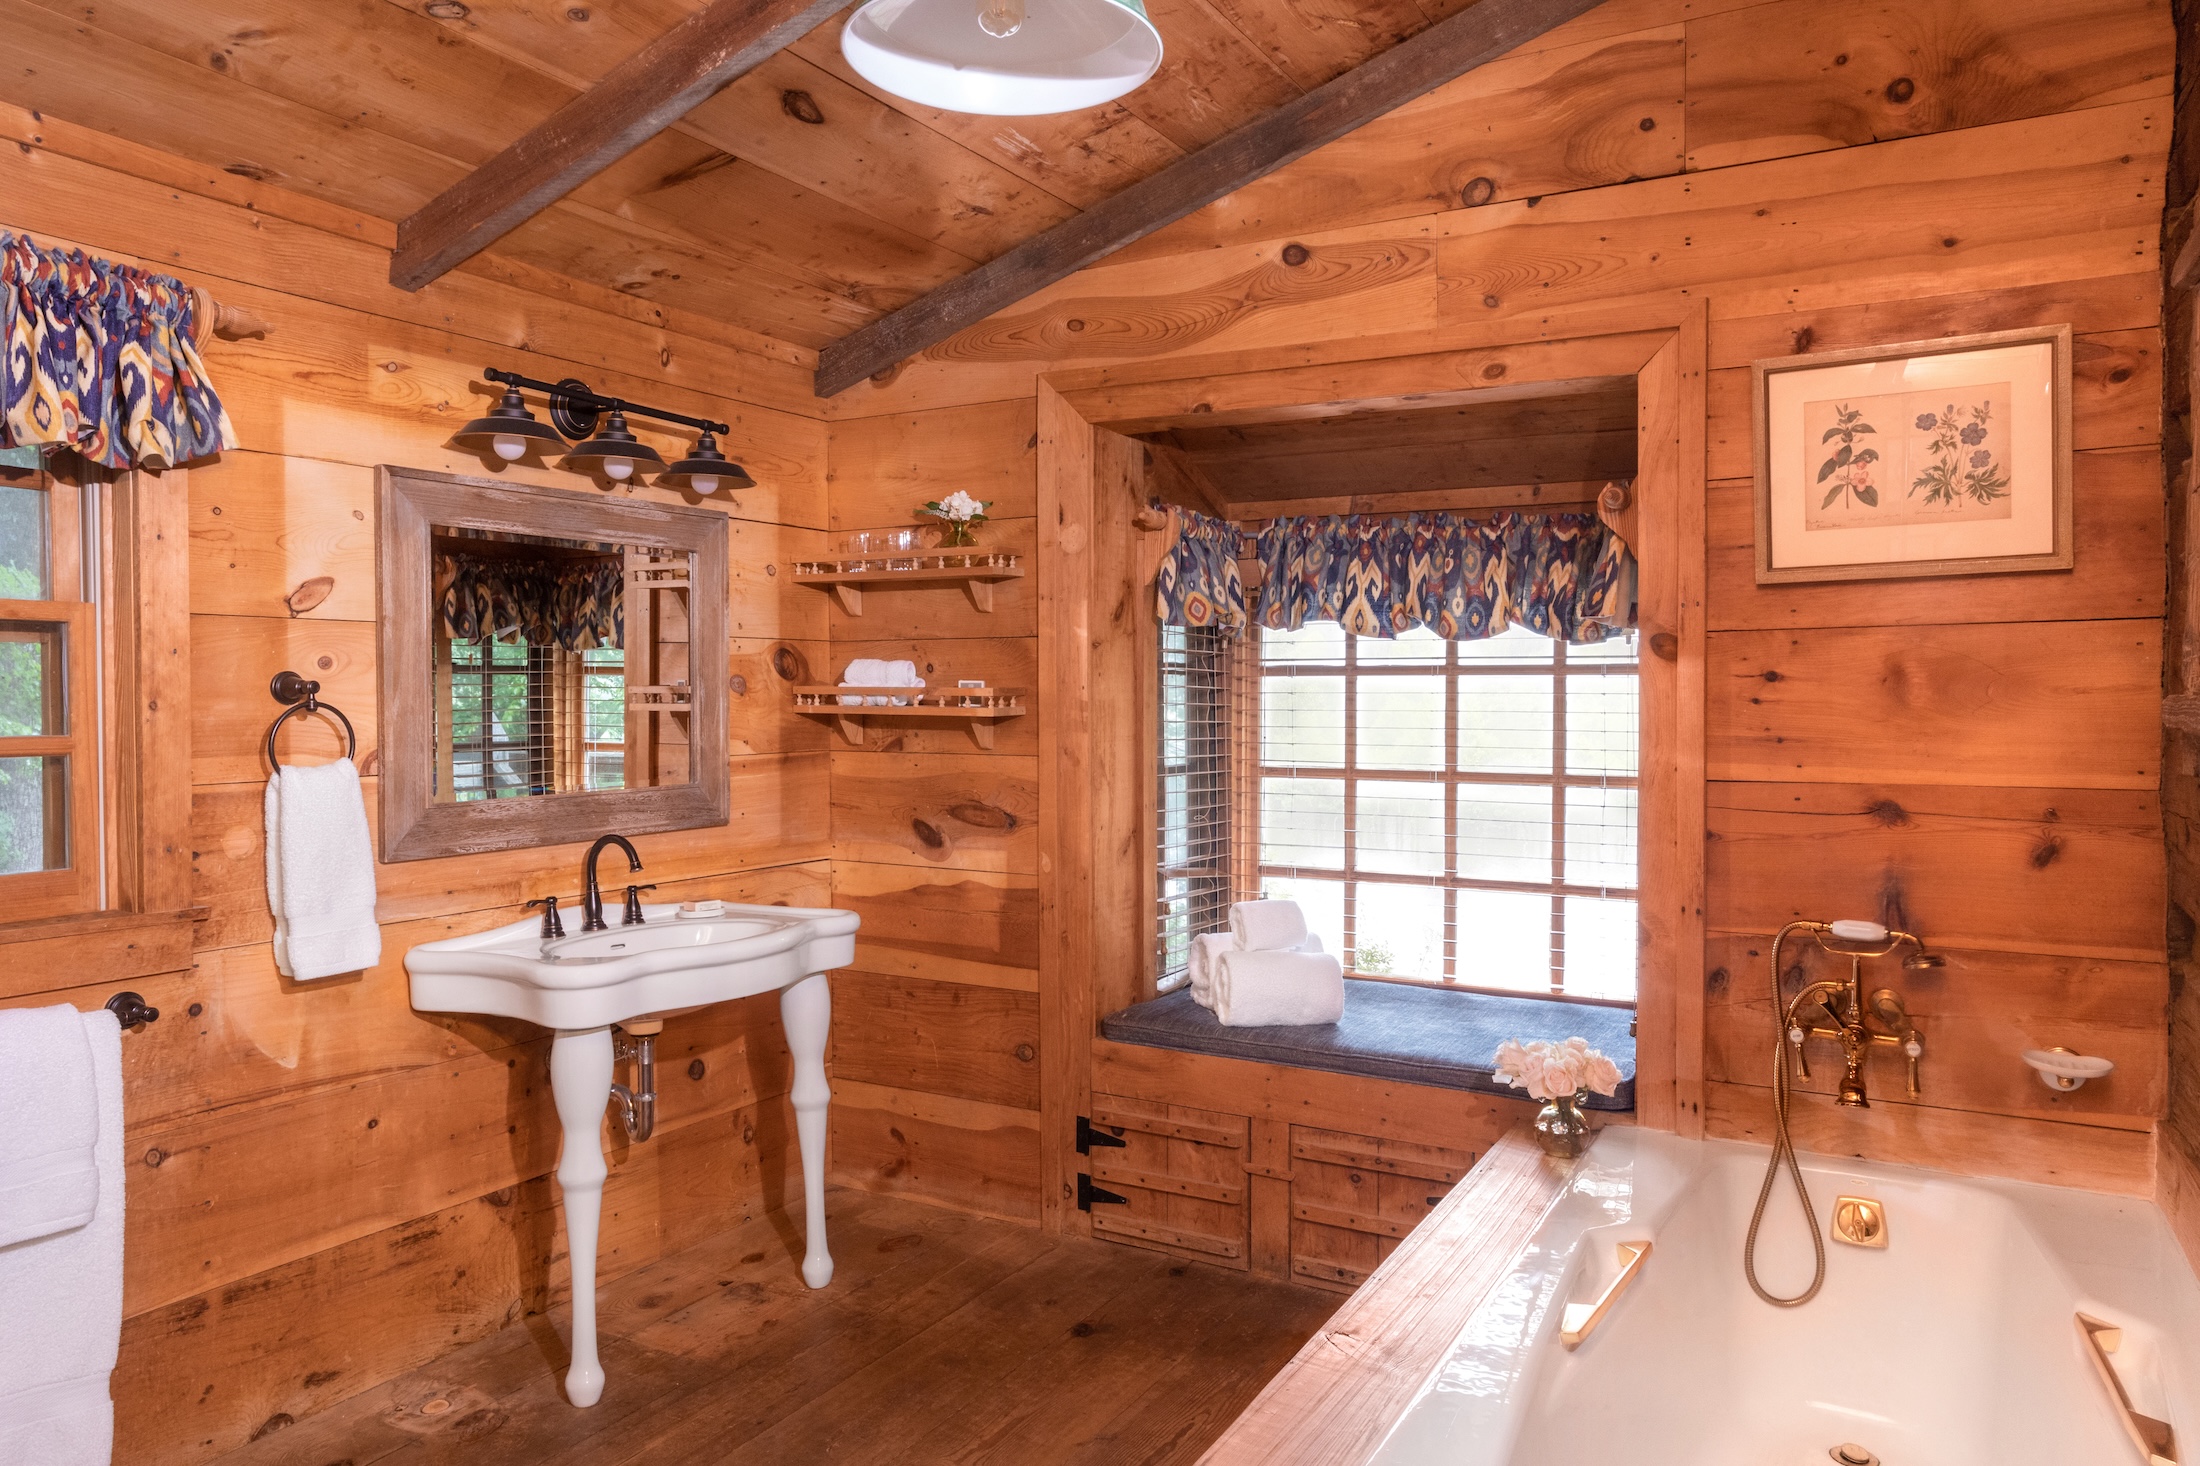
606, 445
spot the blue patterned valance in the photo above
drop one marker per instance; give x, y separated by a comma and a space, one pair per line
99, 358
577, 604
1565, 576
1199, 583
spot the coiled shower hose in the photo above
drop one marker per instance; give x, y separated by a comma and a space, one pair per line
1783, 1149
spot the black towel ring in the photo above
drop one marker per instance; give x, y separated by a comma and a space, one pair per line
303, 696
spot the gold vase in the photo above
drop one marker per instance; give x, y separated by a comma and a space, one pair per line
1560, 1127
957, 534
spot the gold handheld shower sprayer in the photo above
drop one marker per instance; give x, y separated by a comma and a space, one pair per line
1844, 1015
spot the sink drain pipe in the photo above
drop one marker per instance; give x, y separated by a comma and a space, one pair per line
638, 1106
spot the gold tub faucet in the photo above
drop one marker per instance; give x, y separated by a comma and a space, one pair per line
1840, 1011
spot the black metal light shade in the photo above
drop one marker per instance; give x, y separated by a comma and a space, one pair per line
706, 470
614, 451
510, 431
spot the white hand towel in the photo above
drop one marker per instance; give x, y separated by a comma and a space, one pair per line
320, 872
49, 1121
1257, 989
61, 1304
1202, 964
1267, 926
1313, 943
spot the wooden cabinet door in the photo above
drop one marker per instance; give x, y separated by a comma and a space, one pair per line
1353, 1198
1182, 1172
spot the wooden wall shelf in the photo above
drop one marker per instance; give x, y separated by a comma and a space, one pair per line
979, 707
937, 567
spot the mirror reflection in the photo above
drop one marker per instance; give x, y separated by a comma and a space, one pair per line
559, 666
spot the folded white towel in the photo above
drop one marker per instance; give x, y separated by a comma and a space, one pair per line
61, 1303
1267, 926
49, 1122
874, 672
320, 872
1256, 989
1201, 964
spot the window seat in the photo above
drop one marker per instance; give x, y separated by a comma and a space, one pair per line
1420, 1035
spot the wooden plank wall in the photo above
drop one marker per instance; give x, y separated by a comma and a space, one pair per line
328, 1188
936, 842
1975, 758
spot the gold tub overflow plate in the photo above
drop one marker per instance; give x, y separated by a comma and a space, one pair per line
1859, 1221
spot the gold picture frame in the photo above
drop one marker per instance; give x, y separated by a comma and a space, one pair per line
1924, 458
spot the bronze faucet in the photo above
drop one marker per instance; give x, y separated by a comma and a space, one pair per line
592, 901
1844, 1015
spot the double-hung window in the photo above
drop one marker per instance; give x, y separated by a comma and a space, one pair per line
1461, 813
49, 715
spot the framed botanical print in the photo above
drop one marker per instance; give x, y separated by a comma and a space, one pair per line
1948, 457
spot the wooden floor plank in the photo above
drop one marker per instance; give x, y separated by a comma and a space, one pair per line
944, 1338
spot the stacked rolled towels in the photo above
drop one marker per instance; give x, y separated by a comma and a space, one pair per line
872, 672
61, 1195
1267, 969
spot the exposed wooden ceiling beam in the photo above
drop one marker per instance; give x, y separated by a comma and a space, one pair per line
635, 100
1450, 48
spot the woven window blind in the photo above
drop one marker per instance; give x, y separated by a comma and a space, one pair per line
1194, 885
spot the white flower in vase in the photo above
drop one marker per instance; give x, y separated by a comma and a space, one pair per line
961, 514
1560, 1074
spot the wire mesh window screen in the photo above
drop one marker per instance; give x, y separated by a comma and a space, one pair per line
501, 720
1192, 824
1457, 812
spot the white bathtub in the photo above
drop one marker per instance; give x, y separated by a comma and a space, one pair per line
1955, 1346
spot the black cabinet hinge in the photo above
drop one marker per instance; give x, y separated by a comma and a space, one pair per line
1087, 1137
1087, 1194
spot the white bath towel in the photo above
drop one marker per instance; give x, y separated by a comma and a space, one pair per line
61, 1304
1267, 926
1201, 964
320, 872
49, 1121
1256, 989
873, 672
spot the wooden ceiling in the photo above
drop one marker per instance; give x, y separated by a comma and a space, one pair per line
1545, 449
798, 202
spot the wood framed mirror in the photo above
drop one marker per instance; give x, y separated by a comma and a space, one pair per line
552, 665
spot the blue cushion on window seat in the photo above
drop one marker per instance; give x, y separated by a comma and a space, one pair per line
1390, 1030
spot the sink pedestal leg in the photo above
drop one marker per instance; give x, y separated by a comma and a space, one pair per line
580, 1079
806, 1012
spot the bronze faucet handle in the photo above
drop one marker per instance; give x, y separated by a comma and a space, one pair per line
553, 925
633, 914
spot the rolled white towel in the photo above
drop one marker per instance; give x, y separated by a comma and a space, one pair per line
1202, 964
1257, 989
1313, 943
1267, 926
901, 674
873, 672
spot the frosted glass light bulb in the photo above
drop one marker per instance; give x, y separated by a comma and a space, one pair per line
1000, 19
618, 469
510, 447
705, 483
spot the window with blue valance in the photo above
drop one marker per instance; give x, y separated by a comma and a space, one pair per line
99, 358
1565, 576
576, 604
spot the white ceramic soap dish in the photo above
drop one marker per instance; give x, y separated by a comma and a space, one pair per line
2060, 1069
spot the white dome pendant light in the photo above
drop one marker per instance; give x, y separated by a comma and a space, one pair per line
1003, 58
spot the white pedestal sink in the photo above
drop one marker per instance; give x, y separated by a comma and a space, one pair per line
579, 986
